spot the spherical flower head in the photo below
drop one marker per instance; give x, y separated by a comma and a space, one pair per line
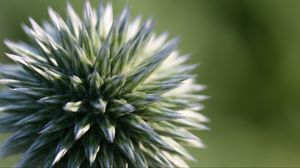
99, 91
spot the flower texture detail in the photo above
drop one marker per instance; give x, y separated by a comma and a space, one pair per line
98, 91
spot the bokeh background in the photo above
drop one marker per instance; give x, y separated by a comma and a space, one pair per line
249, 51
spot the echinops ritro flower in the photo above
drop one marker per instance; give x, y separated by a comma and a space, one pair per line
99, 91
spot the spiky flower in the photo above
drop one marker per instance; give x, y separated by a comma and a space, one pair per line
98, 92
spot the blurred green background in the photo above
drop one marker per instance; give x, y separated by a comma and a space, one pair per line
249, 52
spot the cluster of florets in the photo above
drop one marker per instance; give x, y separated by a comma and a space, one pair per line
98, 92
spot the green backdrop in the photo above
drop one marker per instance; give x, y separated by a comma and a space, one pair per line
249, 52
